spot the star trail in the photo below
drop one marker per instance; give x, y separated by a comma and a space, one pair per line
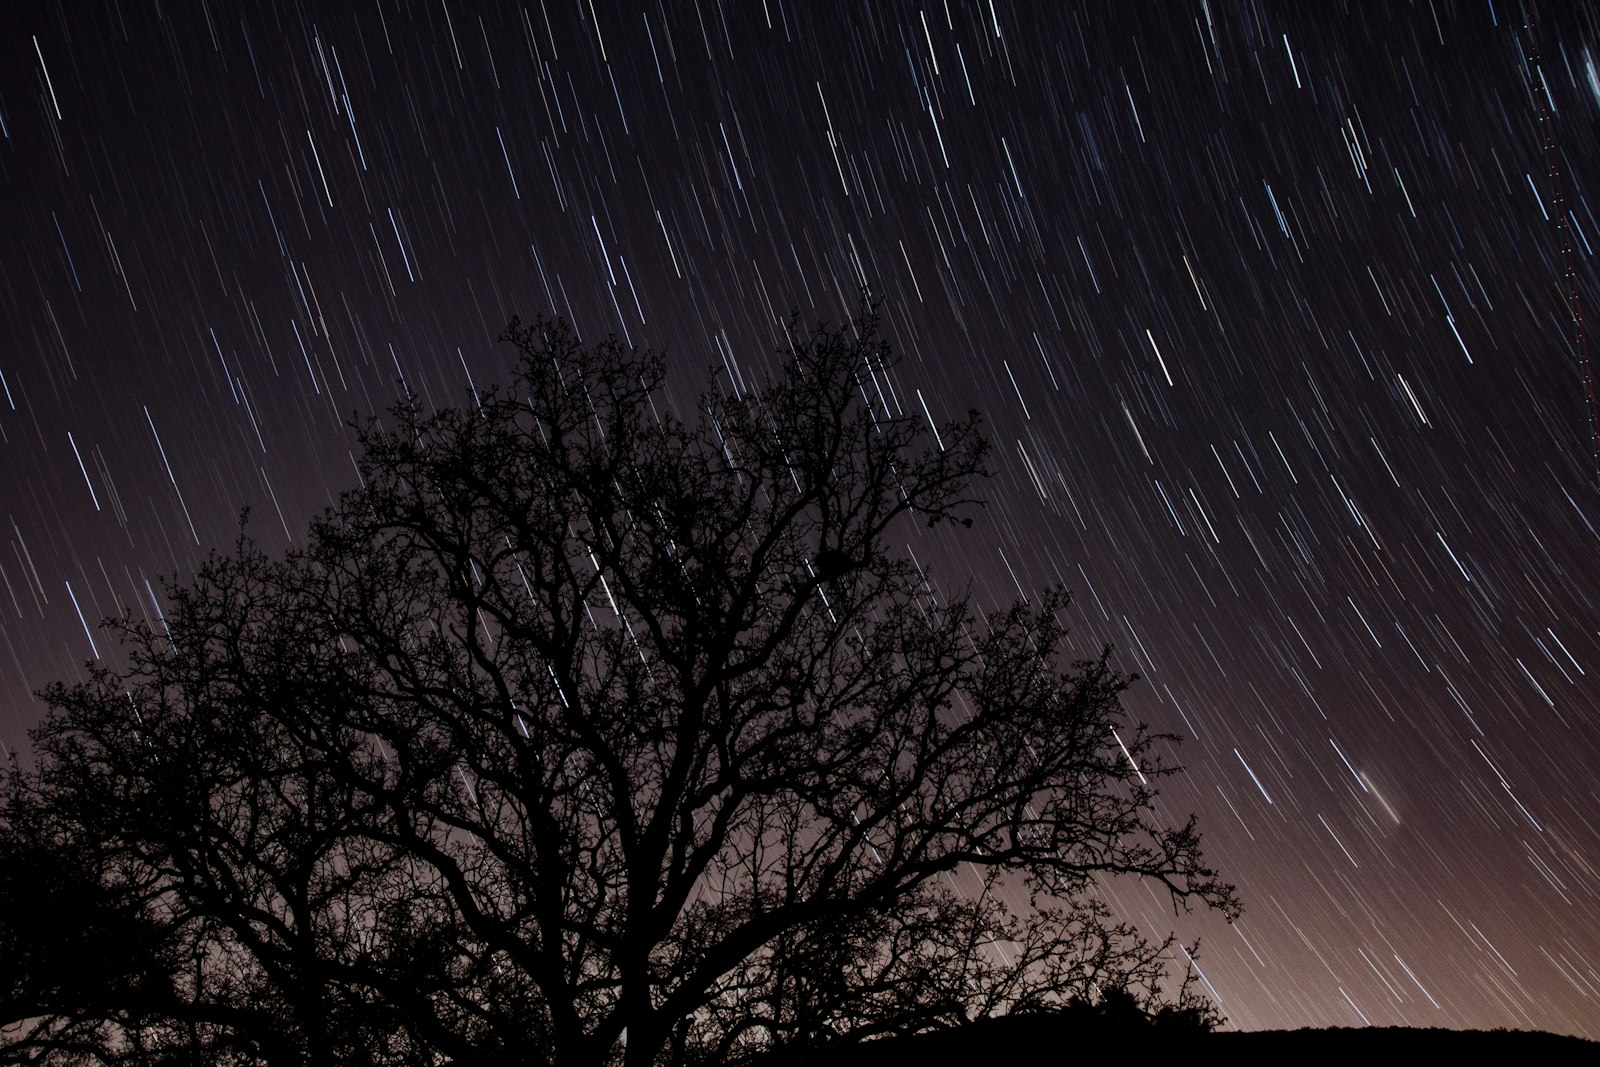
1273, 312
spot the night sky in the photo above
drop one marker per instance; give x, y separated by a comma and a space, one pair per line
1265, 306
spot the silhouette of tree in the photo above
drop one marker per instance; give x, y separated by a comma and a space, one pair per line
582, 732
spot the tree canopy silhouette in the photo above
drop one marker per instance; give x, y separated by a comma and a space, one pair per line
581, 732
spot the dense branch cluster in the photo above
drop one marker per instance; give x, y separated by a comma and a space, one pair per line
582, 732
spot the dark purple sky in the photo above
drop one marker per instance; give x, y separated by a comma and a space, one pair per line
1264, 305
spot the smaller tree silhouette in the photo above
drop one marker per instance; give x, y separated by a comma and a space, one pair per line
584, 732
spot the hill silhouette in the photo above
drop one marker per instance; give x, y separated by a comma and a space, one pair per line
1046, 1040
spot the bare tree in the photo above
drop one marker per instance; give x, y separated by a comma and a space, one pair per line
582, 732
